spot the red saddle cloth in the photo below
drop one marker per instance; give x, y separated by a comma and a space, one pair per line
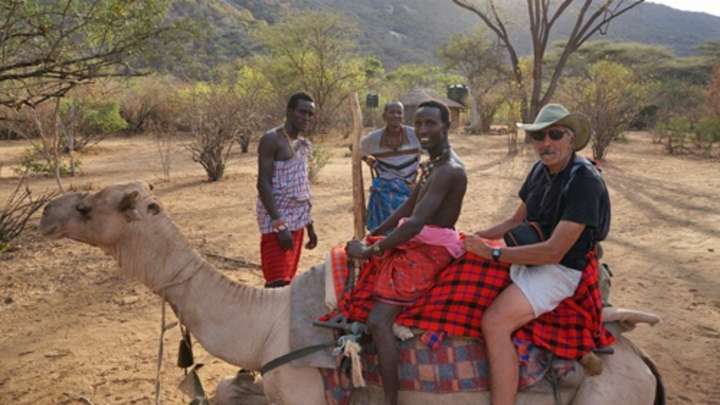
467, 287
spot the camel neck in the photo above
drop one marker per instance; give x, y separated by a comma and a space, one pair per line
231, 321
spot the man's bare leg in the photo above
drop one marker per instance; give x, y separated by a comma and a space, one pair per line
380, 323
508, 312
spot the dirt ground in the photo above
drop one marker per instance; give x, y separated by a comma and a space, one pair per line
73, 331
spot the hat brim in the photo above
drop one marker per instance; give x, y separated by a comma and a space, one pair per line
579, 124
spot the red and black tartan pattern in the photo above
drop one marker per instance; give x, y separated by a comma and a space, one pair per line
467, 287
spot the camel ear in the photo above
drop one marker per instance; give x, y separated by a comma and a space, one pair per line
128, 206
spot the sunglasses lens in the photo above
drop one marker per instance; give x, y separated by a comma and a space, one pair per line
556, 134
538, 135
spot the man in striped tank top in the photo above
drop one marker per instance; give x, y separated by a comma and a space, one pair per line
283, 205
393, 154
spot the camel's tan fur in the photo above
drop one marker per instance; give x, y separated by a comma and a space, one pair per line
248, 327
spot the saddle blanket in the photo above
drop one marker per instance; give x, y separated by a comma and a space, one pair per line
456, 365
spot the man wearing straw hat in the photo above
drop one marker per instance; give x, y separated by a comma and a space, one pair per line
551, 239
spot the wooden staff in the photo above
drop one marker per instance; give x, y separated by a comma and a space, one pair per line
357, 177
358, 186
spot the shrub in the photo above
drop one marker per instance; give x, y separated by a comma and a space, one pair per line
319, 157
708, 134
214, 115
675, 133
87, 122
150, 99
34, 162
17, 210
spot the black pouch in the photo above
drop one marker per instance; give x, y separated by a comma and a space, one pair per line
526, 233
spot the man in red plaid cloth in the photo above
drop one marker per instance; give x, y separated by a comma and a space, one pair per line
423, 243
563, 197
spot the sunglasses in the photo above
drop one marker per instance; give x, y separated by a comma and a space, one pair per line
555, 134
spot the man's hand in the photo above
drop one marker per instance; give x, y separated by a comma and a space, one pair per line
312, 237
370, 160
476, 245
357, 250
286, 240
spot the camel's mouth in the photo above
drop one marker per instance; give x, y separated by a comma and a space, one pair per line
51, 232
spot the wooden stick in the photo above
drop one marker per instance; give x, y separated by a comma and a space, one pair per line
160, 353
358, 186
238, 262
357, 178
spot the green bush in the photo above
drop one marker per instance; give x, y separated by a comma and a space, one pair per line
33, 163
318, 159
708, 134
102, 117
708, 130
91, 121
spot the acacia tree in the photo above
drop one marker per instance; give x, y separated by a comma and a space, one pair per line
316, 52
611, 96
49, 47
398, 82
482, 64
543, 16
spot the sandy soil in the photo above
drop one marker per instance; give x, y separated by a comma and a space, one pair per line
74, 331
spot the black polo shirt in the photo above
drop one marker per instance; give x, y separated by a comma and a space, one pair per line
577, 194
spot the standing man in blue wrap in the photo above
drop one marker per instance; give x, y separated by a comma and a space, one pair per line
393, 154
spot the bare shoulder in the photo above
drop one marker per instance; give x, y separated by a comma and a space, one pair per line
453, 170
270, 134
269, 138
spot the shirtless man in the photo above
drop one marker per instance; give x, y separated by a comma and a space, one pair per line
283, 204
423, 242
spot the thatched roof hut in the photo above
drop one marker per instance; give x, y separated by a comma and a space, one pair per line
417, 95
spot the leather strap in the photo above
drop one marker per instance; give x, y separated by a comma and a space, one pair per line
294, 355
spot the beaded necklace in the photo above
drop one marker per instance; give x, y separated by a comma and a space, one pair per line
427, 167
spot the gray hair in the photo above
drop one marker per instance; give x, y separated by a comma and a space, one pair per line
392, 103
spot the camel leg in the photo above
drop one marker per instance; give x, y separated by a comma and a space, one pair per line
625, 379
288, 385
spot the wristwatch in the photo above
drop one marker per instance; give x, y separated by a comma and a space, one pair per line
496, 253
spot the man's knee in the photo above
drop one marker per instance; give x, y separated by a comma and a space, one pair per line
494, 323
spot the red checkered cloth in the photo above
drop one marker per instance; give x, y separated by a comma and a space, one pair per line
467, 287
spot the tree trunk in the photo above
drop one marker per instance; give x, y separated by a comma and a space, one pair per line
475, 121
486, 120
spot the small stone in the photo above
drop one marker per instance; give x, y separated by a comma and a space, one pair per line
8, 300
129, 300
56, 353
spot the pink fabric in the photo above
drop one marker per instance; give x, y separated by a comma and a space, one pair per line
439, 236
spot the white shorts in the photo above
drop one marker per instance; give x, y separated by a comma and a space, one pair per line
545, 286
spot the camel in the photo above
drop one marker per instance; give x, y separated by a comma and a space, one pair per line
247, 326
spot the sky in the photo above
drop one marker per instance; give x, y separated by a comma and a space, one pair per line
706, 6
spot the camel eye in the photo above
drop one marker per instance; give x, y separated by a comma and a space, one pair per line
83, 209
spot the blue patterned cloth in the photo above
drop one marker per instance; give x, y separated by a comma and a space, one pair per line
386, 195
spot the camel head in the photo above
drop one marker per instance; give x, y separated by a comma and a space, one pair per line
99, 219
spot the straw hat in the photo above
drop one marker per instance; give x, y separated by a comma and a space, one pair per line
556, 114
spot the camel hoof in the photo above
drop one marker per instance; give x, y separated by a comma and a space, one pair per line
241, 389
